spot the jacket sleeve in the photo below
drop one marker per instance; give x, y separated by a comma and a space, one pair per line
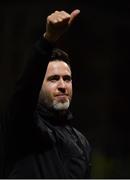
21, 108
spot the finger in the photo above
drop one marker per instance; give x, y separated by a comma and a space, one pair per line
65, 14
62, 16
73, 15
58, 16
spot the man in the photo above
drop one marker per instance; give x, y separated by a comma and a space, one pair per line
38, 138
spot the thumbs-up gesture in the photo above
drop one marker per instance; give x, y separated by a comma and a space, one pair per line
57, 23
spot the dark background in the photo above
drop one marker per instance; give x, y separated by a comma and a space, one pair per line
98, 43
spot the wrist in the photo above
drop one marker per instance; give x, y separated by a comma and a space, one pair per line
49, 38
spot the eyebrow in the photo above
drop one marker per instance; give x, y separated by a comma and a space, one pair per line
53, 77
56, 76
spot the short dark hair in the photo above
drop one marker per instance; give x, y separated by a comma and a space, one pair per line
60, 55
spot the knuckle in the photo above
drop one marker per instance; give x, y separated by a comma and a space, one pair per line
56, 11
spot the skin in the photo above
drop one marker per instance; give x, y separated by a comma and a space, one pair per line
56, 91
57, 23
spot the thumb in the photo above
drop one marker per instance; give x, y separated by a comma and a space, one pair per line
73, 15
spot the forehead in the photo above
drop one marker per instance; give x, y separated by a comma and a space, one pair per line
58, 67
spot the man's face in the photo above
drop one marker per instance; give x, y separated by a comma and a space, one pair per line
56, 91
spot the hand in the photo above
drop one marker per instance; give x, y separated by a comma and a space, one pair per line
57, 23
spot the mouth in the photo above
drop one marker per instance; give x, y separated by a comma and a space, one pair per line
62, 97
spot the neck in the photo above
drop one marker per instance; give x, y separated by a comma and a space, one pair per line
53, 116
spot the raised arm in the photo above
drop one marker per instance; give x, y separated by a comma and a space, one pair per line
17, 122
29, 83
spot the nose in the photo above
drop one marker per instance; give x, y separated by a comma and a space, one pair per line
61, 85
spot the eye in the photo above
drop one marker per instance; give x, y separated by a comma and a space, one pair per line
67, 78
53, 78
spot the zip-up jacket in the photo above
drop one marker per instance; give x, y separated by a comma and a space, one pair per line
36, 142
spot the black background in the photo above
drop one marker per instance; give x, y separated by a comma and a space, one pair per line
98, 44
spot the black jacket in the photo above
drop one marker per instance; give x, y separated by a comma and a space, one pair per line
35, 142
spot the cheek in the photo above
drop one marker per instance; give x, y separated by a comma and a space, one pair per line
50, 88
48, 93
70, 90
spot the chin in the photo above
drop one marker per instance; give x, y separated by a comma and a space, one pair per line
61, 106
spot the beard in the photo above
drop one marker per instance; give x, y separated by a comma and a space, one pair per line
53, 104
61, 105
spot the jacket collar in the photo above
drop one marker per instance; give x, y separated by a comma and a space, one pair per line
53, 117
